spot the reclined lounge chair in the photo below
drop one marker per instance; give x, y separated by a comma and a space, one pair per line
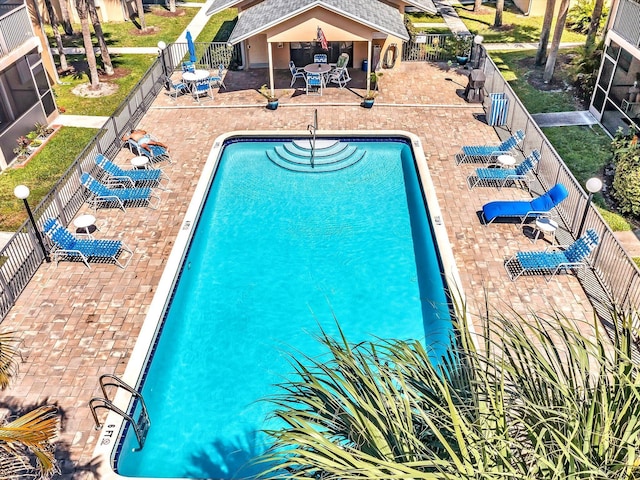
156, 153
554, 259
522, 174
67, 247
132, 178
524, 209
101, 195
489, 153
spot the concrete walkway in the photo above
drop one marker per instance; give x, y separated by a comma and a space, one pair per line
85, 121
564, 119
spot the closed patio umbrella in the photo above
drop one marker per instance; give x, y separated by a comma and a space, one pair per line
192, 47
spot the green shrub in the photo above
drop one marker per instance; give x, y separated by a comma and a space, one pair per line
579, 16
584, 69
616, 222
626, 180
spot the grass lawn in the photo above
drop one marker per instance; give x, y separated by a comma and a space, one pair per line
423, 17
219, 26
127, 34
516, 27
40, 173
129, 70
585, 150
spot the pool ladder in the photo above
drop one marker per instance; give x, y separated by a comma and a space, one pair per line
312, 130
140, 427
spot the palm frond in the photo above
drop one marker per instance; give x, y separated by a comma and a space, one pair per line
9, 355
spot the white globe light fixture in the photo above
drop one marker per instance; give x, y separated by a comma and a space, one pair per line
593, 185
162, 45
22, 192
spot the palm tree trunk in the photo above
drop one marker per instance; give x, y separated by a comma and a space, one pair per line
541, 54
140, 8
476, 5
66, 20
595, 23
81, 7
555, 43
97, 28
172, 5
499, 9
53, 20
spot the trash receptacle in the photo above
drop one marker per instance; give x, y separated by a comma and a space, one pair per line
498, 109
474, 91
365, 65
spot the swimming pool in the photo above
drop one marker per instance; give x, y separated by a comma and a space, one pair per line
268, 258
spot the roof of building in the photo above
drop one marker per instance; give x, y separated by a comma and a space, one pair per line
268, 13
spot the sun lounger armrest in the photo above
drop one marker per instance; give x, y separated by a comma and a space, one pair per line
120, 180
536, 213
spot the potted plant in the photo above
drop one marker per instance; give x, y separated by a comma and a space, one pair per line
459, 46
272, 102
372, 93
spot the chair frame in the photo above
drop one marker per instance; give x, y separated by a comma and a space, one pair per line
97, 200
492, 152
196, 92
504, 175
515, 269
136, 148
217, 79
131, 178
59, 253
320, 84
296, 72
530, 213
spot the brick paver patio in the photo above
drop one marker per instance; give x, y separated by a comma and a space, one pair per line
78, 323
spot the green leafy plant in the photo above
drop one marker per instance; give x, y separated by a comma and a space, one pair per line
626, 179
584, 69
265, 91
537, 399
579, 16
23, 146
458, 45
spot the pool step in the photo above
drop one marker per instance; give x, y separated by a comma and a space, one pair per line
329, 155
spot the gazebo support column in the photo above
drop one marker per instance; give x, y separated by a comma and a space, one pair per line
270, 52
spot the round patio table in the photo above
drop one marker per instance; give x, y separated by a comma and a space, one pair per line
320, 68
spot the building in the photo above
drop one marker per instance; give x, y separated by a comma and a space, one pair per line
273, 32
616, 97
26, 97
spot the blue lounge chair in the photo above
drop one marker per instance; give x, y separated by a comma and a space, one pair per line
523, 173
525, 209
489, 153
67, 247
132, 178
551, 262
101, 195
155, 153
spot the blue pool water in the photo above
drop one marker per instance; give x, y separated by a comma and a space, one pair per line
275, 256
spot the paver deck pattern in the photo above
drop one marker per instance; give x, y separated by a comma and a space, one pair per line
78, 323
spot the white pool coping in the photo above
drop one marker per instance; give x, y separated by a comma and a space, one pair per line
114, 424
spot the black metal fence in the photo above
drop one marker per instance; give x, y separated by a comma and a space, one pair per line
21, 256
615, 270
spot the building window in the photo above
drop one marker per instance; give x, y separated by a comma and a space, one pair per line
20, 90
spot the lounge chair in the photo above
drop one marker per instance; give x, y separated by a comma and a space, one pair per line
67, 247
155, 153
522, 174
553, 260
489, 153
340, 74
101, 195
132, 178
296, 72
540, 206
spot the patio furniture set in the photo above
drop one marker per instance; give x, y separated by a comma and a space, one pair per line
196, 81
116, 187
500, 169
319, 74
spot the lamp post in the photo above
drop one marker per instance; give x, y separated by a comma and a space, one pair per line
22, 192
593, 185
161, 47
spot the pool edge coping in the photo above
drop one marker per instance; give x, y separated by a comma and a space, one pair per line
114, 424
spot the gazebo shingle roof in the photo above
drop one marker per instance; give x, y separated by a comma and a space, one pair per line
267, 13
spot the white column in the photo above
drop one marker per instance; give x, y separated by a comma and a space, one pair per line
273, 93
369, 46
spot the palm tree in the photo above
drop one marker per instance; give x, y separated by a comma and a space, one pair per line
53, 20
477, 4
541, 54
97, 29
28, 435
172, 6
82, 8
497, 22
555, 42
66, 19
140, 11
535, 400
594, 25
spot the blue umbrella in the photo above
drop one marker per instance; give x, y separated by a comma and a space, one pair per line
191, 46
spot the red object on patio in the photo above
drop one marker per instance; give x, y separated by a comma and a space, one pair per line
322, 39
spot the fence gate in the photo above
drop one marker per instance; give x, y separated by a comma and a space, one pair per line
425, 48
